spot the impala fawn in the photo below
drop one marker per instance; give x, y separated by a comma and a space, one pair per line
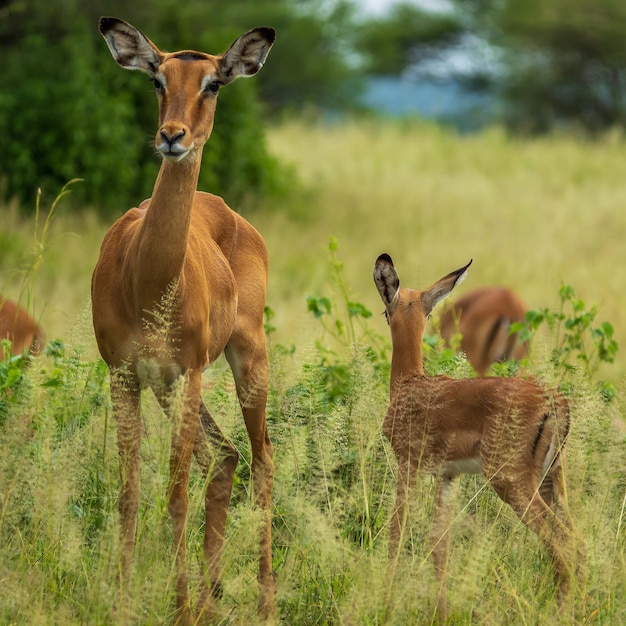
511, 430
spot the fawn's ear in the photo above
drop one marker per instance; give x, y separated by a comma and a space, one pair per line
386, 279
442, 288
129, 47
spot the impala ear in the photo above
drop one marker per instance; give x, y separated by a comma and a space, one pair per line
442, 288
129, 47
247, 54
386, 279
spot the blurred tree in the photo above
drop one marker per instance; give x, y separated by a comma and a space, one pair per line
67, 110
549, 63
562, 61
405, 37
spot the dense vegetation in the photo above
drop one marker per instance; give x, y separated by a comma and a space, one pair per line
67, 110
536, 215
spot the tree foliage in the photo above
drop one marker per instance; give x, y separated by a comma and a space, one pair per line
567, 62
550, 64
67, 110
407, 35
560, 62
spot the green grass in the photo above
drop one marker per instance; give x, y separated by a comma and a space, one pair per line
531, 214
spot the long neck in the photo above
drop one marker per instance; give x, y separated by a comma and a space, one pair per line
406, 357
162, 241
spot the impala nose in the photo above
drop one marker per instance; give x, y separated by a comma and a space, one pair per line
170, 143
169, 139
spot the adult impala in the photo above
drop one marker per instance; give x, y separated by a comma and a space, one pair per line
509, 429
20, 328
180, 280
483, 317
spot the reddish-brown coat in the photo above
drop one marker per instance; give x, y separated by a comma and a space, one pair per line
181, 279
20, 328
483, 317
509, 429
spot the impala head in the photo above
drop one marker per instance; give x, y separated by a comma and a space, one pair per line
407, 310
186, 82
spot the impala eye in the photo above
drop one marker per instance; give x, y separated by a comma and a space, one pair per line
158, 85
213, 87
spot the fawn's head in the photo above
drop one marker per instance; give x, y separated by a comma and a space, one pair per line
407, 310
186, 82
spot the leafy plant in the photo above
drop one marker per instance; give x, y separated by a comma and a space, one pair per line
346, 322
11, 375
578, 342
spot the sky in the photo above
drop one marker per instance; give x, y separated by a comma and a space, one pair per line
378, 7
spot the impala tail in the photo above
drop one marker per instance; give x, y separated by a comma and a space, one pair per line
551, 486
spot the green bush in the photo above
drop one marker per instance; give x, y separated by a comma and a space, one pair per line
68, 110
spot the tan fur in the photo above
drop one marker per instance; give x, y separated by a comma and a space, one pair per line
181, 279
511, 430
482, 317
20, 328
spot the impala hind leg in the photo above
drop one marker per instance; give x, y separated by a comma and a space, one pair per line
440, 540
247, 356
185, 424
218, 459
555, 535
125, 398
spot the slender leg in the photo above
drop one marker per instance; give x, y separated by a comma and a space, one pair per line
125, 397
399, 517
247, 356
185, 423
440, 540
539, 517
218, 460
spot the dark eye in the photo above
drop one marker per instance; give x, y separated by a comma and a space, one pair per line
213, 87
158, 85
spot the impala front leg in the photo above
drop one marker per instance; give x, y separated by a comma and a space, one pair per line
250, 370
185, 424
407, 477
125, 398
440, 540
218, 459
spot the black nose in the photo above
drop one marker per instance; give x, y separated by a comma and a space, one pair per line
173, 138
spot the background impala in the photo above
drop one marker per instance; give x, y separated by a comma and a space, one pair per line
483, 317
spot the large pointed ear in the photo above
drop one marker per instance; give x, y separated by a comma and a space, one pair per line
442, 288
386, 279
247, 54
129, 47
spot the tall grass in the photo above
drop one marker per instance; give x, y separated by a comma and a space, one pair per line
530, 214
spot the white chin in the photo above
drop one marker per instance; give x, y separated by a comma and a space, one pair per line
174, 158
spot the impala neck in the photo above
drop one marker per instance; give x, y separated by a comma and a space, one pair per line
406, 357
163, 238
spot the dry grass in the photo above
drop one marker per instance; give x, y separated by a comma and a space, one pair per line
531, 214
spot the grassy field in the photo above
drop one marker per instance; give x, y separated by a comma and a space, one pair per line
532, 215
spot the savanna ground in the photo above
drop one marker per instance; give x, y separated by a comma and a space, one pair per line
532, 214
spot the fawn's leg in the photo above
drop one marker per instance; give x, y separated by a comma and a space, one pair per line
440, 539
399, 517
528, 504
